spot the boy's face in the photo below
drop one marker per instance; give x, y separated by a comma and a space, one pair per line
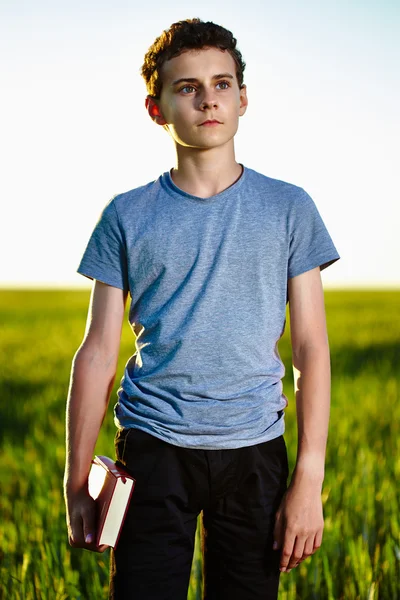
200, 102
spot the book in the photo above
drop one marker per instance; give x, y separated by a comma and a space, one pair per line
111, 487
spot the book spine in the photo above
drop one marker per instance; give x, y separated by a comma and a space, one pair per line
111, 469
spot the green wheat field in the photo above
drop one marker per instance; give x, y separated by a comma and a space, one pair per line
360, 553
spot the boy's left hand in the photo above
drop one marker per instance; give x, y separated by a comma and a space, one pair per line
299, 523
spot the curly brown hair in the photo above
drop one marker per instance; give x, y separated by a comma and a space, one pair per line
187, 35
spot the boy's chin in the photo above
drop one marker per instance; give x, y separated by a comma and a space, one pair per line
202, 144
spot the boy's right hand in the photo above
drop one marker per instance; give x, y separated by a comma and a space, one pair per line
81, 521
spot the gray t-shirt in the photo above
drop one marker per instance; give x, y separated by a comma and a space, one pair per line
208, 285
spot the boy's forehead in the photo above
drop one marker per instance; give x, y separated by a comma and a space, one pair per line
197, 64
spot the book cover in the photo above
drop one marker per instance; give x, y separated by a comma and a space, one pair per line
111, 487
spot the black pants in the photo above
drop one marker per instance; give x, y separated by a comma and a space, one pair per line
238, 491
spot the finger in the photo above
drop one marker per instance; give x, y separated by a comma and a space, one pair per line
278, 533
82, 533
297, 553
76, 532
318, 539
309, 547
89, 526
287, 550
316, 543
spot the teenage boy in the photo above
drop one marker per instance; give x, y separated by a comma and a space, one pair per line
210, 253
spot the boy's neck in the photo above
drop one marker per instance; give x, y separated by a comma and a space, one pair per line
205, 173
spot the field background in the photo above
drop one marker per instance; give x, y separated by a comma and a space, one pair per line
360, 554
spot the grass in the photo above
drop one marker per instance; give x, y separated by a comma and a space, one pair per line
360, 554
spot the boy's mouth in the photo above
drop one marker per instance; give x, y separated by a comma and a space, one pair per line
210, 122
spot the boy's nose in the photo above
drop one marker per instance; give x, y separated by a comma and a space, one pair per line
208, 100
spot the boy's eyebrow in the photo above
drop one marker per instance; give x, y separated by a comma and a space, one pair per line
195, 80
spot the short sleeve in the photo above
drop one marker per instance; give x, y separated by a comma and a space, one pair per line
311, 245
105, 255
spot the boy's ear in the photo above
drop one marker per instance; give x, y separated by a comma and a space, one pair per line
243, 100
154, 111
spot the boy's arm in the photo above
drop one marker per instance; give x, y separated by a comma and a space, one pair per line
299, 520
92, 378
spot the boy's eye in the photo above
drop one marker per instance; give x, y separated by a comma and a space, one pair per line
187, 89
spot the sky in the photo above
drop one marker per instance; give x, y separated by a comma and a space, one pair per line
324, 95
